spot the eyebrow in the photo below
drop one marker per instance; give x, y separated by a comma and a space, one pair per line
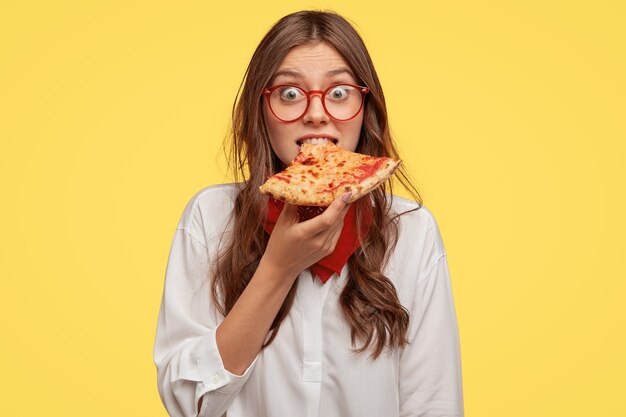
296, 74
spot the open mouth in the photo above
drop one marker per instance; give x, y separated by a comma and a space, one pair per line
316, 141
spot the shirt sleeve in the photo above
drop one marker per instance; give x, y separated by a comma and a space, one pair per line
188, 362
430, 366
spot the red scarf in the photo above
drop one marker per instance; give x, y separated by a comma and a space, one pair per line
348, 240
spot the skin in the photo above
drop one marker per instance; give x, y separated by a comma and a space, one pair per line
293, 246
310, 65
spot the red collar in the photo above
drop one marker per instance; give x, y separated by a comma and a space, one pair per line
347, 244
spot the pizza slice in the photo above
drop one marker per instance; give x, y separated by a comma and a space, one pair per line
322, 172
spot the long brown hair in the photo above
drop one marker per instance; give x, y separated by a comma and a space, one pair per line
369, 300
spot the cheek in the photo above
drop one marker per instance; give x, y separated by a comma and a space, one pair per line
279, 135
273, 133
275, 129
354, 130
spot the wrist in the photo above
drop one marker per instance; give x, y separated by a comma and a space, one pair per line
276, 272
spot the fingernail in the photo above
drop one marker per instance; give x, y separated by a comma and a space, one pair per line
346, 197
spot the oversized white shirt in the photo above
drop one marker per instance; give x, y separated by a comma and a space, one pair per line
309, 370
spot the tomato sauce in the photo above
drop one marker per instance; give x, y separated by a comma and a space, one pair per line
367, 171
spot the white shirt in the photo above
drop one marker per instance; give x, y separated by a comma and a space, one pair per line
309, 369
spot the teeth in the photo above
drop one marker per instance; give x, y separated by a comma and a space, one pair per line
316, 141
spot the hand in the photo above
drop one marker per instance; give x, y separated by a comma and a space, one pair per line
295, 246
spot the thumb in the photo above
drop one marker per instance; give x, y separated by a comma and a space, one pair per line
340, 205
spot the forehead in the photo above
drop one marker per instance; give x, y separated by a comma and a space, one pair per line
317, 52
319, 60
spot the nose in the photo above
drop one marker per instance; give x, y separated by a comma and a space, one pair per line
315, 114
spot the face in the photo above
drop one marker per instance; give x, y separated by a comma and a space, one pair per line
311, 67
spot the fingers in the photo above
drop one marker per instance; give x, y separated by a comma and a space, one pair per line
339, 207
296, 245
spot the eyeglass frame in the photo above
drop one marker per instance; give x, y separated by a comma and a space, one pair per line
267, 91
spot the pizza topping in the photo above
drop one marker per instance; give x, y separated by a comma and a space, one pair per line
320, 172
357, 175
370, 169
309, 160
280, 177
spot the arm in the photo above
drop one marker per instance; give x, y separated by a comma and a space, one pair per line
185, 351
430, 367
292, 248
202, 364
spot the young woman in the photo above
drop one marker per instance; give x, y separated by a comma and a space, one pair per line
347, 314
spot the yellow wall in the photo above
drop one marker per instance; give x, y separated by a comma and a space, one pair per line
509, 115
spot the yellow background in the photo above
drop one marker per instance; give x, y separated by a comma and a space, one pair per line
509, 115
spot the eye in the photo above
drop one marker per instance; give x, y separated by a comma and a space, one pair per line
291, 94
340, 92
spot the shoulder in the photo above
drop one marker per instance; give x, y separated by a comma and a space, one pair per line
419, 237
216, 197
413, 217
208, 210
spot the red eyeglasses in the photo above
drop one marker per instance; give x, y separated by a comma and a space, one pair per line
342, 102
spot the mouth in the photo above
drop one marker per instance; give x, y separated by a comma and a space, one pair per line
316, 141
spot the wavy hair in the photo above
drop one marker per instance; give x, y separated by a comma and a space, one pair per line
369, 300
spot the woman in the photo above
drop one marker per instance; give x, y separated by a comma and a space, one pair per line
250, 325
